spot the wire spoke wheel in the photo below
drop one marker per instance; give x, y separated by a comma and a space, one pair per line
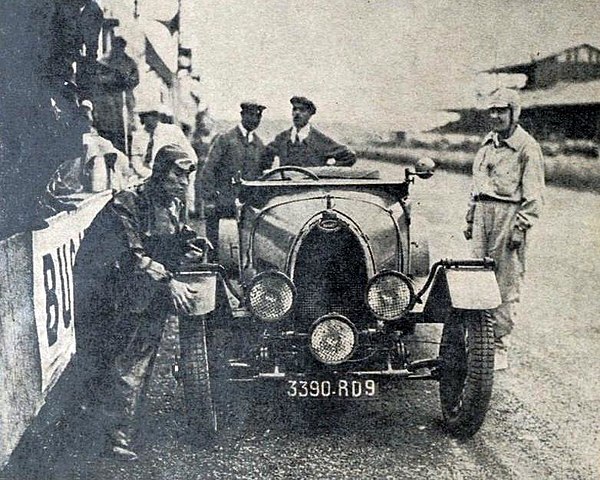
467, 371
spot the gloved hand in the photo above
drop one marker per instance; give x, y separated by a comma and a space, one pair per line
468, 231
197, 247
193, 252
203, 243
517, 237
181, 295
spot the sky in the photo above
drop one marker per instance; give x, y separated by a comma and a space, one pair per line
381, 64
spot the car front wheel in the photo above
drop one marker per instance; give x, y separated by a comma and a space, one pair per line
200, 381
466, 371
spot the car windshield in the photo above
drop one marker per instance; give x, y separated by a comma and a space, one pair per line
327, 172
345, 172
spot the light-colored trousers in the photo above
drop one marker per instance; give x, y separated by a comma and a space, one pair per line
493, 223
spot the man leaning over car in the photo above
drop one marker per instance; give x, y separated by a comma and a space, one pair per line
305, 146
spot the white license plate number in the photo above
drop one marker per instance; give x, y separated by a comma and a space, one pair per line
341, 388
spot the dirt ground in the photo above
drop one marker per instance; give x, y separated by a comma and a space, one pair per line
543, 423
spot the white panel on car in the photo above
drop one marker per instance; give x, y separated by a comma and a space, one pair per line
473, 289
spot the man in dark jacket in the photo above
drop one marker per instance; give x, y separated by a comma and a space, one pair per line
116, 77
125, 291
305, 146
237, 150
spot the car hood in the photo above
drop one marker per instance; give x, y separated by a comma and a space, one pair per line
272, 232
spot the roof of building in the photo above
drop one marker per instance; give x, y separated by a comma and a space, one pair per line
526, 66
563, 93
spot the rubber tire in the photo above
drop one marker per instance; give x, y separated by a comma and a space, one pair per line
466, 371
199, 382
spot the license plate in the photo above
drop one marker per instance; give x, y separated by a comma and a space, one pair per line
340, 388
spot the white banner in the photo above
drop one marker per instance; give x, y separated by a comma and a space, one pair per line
54, 249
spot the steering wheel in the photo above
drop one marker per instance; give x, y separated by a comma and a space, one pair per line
289, 168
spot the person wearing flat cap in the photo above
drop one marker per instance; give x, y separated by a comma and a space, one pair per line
126, 290
506, 202
237, 150
305, 146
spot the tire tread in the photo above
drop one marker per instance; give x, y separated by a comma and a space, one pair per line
465, 419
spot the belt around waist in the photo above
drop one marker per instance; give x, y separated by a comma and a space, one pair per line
482, 197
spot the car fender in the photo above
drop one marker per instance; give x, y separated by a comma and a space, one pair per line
461, 288
229, 244
419, 247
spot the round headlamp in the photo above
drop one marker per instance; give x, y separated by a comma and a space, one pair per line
333, 339
270, 296
389, 295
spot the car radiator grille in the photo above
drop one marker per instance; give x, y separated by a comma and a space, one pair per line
330, 276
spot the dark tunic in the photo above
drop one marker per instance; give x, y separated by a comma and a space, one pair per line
313, 151
230, 153
122, 300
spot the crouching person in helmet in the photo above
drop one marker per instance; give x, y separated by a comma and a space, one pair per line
125, 291
506, 201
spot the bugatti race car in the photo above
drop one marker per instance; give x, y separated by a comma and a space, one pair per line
320, 280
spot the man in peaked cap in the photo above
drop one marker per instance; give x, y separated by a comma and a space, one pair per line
237, 150
506, 201
126, 290
305, 146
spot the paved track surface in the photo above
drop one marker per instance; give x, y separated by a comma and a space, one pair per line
544, 420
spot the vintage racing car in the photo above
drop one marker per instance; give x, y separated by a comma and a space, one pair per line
315, 289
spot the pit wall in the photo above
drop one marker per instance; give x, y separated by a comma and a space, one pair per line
37, 334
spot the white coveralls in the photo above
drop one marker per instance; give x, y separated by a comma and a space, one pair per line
508, 184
